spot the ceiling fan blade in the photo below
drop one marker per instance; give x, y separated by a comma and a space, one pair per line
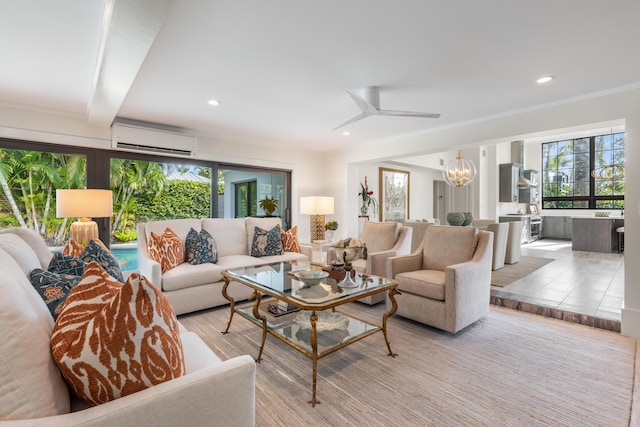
408, 114
364, 105
353, 119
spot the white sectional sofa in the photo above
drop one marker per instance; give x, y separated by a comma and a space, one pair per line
196, 287
34, 393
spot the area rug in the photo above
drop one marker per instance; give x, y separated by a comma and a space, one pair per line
509, 369
512, 272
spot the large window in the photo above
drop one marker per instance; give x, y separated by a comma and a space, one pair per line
584, 173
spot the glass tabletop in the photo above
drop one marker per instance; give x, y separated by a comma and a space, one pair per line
278, 279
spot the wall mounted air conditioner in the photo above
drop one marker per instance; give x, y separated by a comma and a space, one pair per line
140, 139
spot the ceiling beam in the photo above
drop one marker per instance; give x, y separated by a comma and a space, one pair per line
129, 30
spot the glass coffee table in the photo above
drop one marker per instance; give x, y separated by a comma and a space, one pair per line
305, 317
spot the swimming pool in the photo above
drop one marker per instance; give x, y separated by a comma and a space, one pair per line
128, 257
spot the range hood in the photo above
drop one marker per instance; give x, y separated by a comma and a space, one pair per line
517, 157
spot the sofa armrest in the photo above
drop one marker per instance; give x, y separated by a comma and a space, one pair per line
401, 264
377, 262
148, 267
224, 393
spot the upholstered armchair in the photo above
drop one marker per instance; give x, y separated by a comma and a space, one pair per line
383, 240
446, 283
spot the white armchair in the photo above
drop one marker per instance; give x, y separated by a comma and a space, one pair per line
446, 283
383, 240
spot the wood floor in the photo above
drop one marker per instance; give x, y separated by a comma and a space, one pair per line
509, 369
582, 287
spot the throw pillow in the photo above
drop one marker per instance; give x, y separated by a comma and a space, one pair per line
113, 339
53, 288
166, 249
200, 247
290, 240
267, 242
66, 264
95, 251
74, 248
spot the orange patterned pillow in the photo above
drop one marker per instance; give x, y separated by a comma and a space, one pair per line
166, 249
290, 239
74, 248
112, 339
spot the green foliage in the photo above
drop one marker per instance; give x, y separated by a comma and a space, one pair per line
125, 235
181, 199
269, 205
331, 225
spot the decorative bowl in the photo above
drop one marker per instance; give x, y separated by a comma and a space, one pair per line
348, 254
311, 277
455, 218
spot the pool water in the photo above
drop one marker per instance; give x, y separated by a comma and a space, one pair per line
128, 258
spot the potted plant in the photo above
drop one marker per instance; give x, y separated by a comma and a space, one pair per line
269, 205
330, 228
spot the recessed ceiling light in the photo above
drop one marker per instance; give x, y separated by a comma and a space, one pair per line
346, 133
214, 102
544, 79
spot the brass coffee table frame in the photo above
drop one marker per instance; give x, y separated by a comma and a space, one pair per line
259, 319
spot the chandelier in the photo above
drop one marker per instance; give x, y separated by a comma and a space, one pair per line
459, 172
608, 173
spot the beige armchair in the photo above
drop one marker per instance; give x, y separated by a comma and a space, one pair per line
447, 282
383, 240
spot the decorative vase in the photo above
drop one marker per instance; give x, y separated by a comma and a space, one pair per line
328, 235
455, 218
468, 219
364, 209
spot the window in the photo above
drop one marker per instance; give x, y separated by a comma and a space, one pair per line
584, 173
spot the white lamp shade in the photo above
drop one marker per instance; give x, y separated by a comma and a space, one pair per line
316, 205
87, 203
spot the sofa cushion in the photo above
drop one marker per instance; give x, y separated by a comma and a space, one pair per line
426, 283
188, 275
379, 236
200, 247
53, 288
34, 240
229, 233
96, 251
113, 339
290, 241
21, 252
266, 242
167, 249
30, 383
447, 245
66, 264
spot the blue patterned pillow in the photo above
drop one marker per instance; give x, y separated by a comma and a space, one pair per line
200, 247
53, 288
66, 264
94, 252
267, 242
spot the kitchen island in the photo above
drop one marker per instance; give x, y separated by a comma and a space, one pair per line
595, 234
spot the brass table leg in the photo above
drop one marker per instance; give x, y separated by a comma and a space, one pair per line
256, 314
314, 350
232, 303
394, 308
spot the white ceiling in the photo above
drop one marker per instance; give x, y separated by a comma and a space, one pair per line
280, 67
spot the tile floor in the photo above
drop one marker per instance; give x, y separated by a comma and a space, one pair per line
584, 287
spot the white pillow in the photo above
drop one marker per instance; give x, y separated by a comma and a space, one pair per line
21, 252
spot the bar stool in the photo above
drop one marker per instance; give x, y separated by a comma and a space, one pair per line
620, 231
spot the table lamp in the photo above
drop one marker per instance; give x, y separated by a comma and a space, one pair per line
317, 207
84, 205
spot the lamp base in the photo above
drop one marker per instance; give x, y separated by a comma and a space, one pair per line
83, 230
317, 227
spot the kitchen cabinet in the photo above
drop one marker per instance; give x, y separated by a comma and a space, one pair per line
509, 177
557, 227
596, 234
530, 195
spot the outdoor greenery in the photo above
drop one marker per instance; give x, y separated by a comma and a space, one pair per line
573, 178
141, 192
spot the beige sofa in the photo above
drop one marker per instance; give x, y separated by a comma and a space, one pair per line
196, 287
33, 392
446, 283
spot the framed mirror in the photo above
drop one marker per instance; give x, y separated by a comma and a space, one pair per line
394, 195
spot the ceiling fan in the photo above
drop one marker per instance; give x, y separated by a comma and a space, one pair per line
369, 104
